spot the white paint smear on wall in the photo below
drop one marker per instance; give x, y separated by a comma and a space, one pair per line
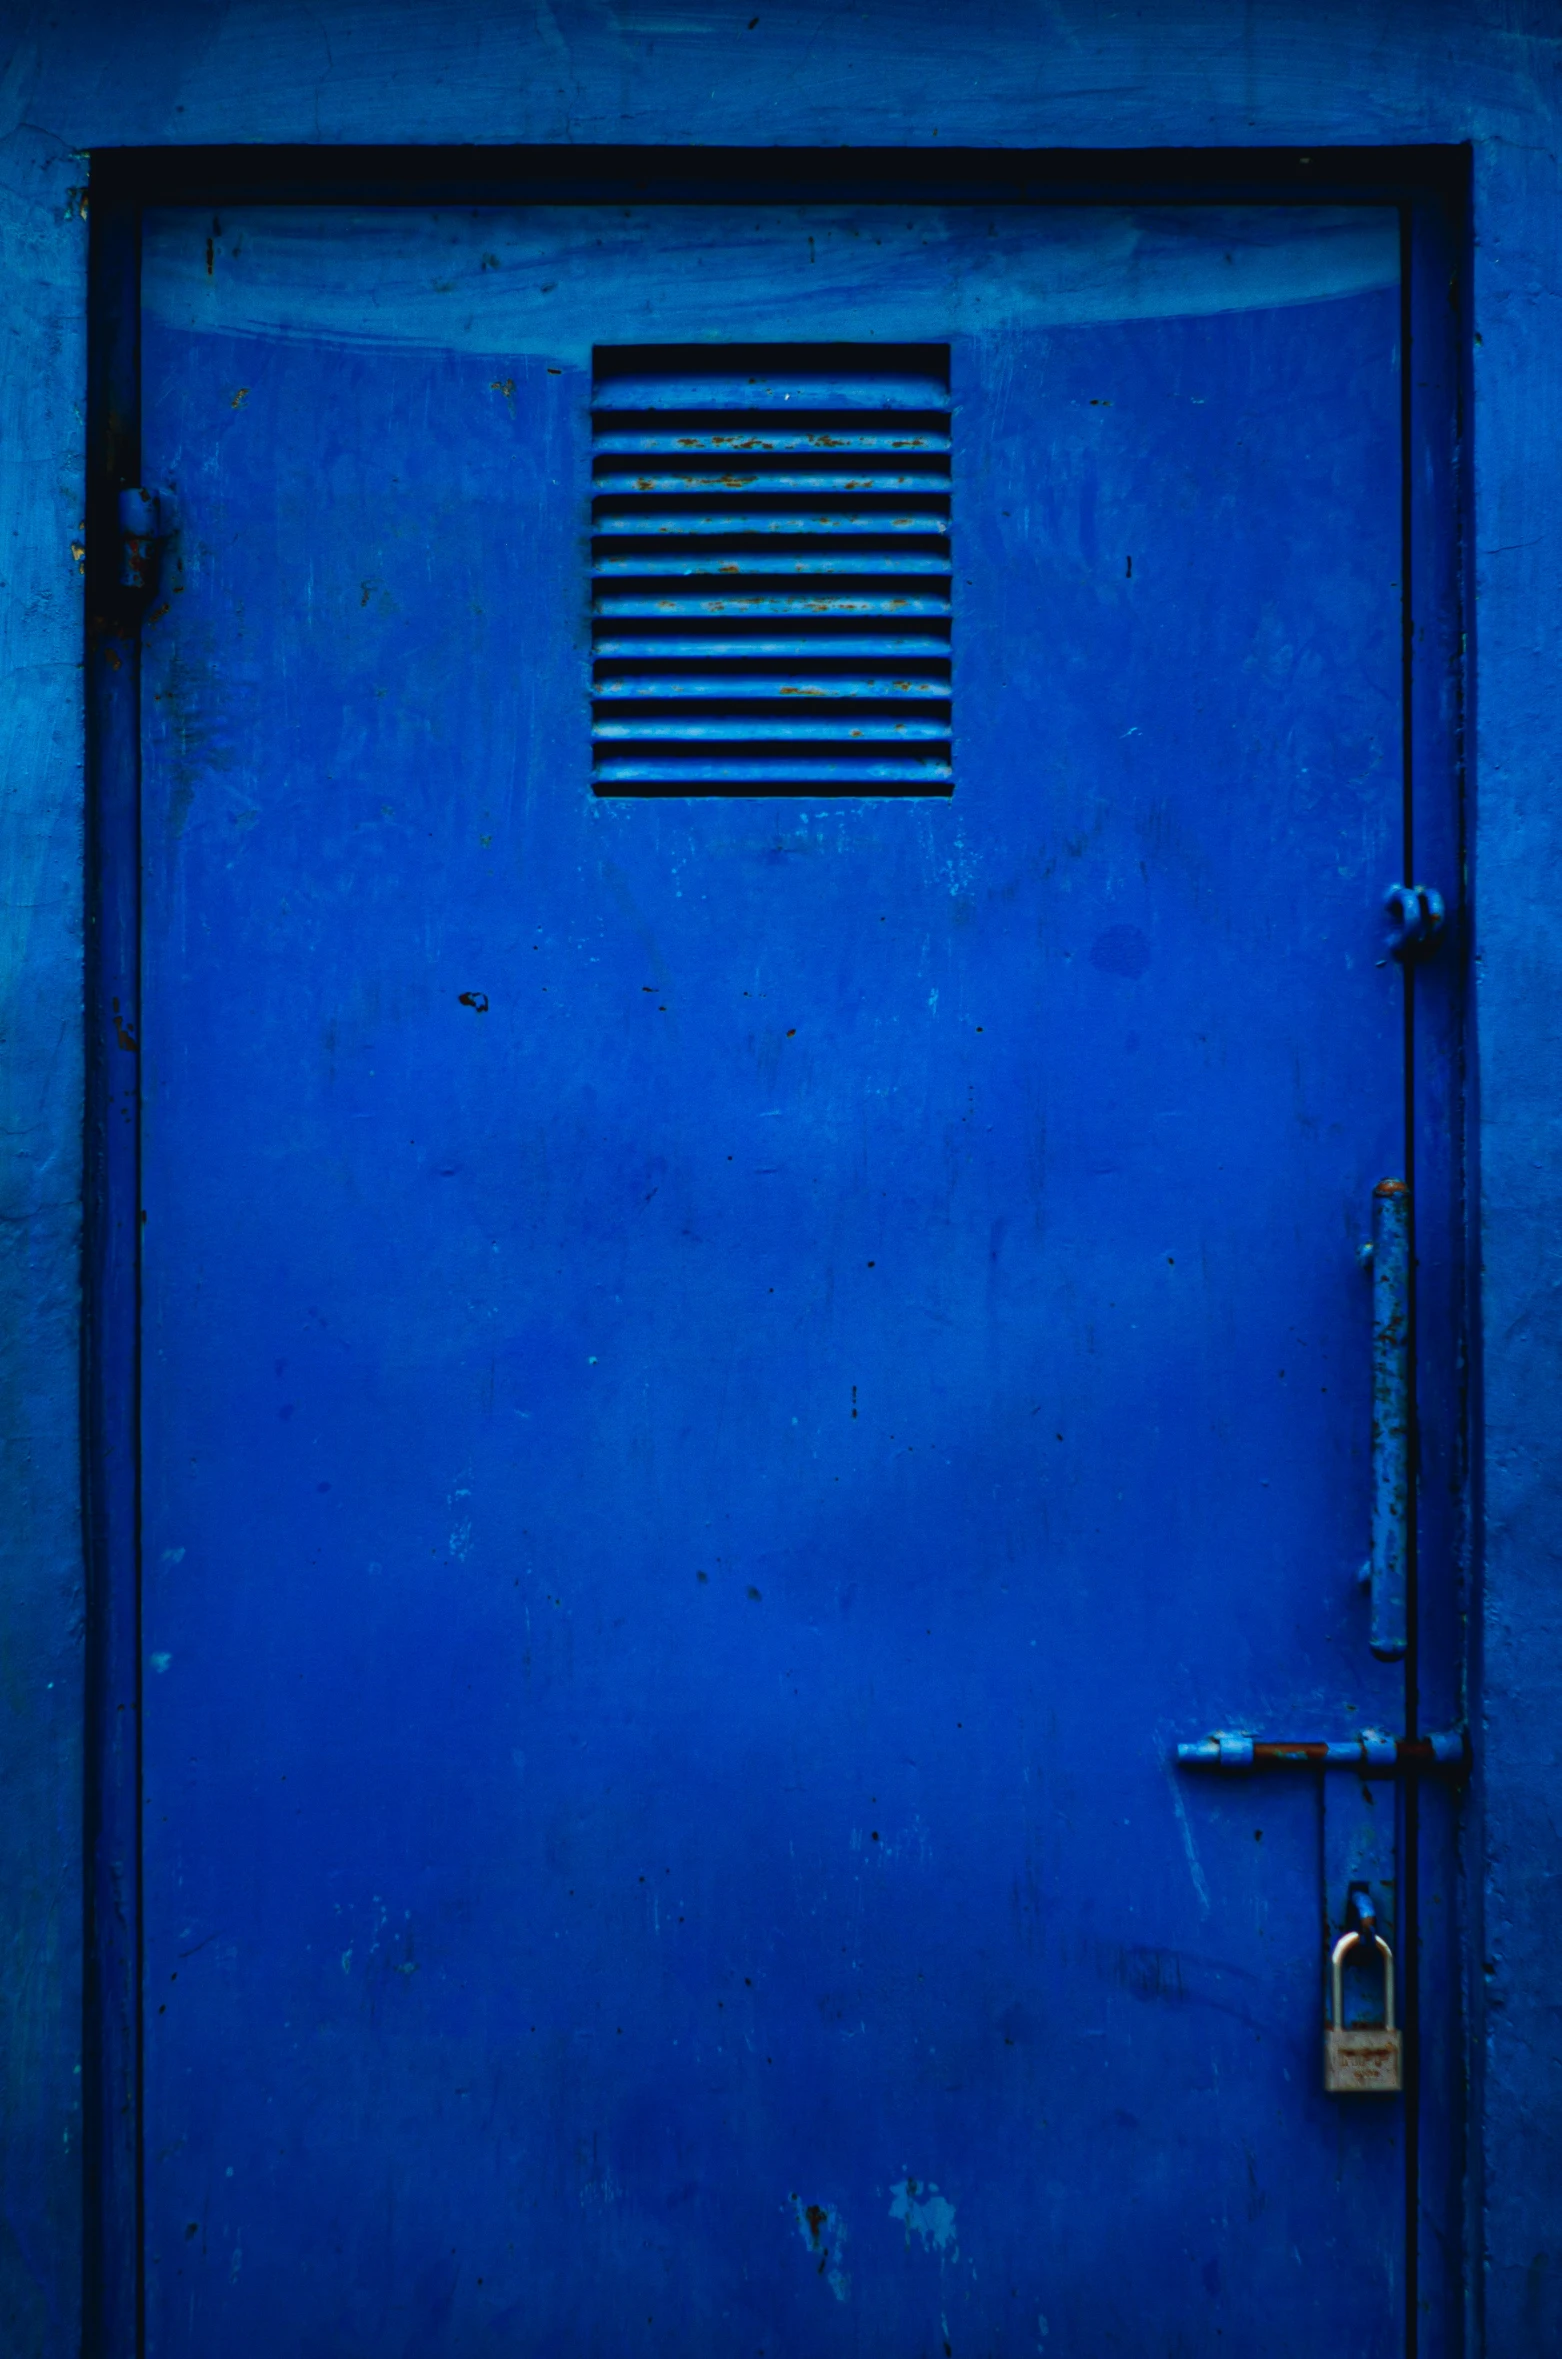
547, 283
927, 2214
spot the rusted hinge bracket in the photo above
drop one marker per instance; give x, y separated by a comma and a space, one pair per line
141, 535
1371, 1754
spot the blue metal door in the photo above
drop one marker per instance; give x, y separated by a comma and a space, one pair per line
767, 1044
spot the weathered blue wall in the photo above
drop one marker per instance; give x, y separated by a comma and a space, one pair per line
1011, 72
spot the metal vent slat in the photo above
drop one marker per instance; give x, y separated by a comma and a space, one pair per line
901, 647
672, 686
796, 608
751, 480
651, 517
828, 440
871, 775
796, 594
730, 731
727, 560
702, 383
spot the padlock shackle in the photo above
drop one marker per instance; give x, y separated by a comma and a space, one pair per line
1348, 1941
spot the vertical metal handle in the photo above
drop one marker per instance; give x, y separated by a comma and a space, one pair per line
1390, 1418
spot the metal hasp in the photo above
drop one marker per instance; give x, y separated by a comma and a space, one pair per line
1371, 1754
1389, 1561
1362, 2060
1416, 917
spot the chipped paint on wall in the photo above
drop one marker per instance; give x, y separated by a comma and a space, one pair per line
823, 2231
927, 2214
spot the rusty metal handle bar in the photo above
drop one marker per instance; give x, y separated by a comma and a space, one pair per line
1388, 1568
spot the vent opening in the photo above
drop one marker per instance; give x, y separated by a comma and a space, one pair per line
771, 570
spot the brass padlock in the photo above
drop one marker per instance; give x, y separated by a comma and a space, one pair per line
1364, 2060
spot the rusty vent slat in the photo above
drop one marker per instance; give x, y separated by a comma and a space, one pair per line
770, 570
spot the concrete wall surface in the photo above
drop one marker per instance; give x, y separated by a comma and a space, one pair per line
1032, 73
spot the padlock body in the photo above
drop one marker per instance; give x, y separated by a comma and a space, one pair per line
1364, 2060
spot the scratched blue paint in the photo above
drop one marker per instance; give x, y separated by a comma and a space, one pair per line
700, 1352
1161, 75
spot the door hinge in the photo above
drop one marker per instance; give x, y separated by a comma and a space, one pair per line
141, 536
1416, 918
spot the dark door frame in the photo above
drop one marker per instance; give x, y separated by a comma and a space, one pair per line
1430, 187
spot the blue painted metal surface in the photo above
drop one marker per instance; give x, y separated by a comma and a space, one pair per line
1362, 1843
1159, 76
702, 1353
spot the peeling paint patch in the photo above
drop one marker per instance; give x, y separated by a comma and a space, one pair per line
824, 2232
927, 2214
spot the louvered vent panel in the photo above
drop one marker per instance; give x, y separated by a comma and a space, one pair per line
771, 570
